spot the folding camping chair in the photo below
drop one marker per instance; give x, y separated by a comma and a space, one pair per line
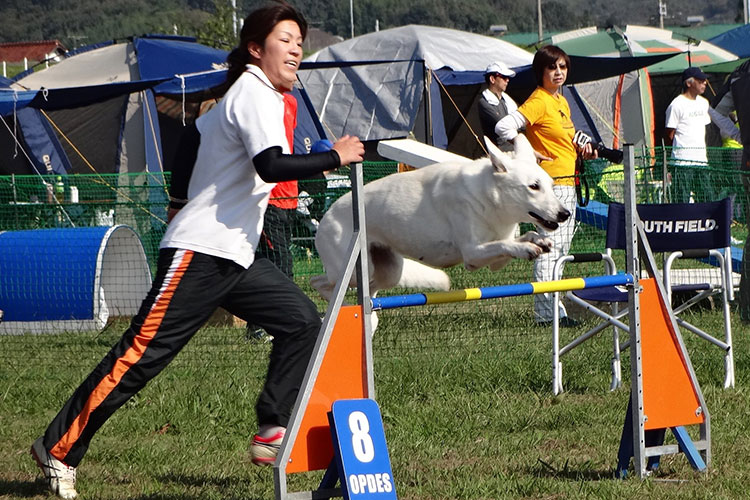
681, 231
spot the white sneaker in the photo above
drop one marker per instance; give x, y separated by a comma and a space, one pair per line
265, 446
60, 478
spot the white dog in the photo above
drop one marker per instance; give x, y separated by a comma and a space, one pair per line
442, 215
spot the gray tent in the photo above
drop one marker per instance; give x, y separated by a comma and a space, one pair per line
382, 95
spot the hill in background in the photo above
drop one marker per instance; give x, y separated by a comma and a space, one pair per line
80, 22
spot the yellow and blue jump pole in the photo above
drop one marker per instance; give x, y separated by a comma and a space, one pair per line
495, 292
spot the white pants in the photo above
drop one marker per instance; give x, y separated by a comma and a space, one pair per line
545, 263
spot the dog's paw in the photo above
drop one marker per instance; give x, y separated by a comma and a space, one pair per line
537, 239
531, 251
545, 244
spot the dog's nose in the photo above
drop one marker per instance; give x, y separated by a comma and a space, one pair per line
563, 215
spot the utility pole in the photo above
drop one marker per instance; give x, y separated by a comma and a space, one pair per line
539, 19
662, 13
234, 17
351, 16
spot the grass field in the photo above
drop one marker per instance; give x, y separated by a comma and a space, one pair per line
465, 392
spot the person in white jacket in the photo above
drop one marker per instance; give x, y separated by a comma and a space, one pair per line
494, 103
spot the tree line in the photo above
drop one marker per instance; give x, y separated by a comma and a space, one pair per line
80, 22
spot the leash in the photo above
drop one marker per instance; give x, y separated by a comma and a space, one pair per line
582, 183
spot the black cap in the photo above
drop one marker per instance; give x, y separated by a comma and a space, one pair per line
694, 72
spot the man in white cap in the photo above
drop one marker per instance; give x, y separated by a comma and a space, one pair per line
685, 131
494, 103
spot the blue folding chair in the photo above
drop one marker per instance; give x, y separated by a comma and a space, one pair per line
681, 231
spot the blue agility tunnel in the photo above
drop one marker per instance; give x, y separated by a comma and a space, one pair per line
70, 279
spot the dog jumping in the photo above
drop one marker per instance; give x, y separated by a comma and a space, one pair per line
422, 221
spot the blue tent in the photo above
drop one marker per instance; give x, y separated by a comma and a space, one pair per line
118, 106
736, 41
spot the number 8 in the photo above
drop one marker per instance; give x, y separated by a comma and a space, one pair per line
362, 445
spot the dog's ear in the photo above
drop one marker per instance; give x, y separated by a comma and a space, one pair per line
500, 160
523, 148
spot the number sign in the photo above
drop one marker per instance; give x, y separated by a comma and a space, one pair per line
361, 451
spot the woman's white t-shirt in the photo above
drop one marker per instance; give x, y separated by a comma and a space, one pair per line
224, 216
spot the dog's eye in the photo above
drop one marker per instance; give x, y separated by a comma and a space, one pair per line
535, 186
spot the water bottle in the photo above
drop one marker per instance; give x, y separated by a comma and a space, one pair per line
59, 189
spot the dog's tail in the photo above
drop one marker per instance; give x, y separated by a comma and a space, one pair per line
416, 275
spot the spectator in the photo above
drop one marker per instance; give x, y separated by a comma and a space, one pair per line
687, 117
546, 117
495, 104
276, 238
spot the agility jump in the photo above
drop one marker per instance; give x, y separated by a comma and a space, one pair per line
496, 292
664, 389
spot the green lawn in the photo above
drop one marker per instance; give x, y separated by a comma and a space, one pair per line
465, 392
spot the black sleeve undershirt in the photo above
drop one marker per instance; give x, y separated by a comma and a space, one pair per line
271, 164
274, 166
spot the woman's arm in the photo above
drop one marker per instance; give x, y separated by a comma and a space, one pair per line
274, 166
507, 128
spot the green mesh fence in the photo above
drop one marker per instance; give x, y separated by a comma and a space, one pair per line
139, 201
90, 200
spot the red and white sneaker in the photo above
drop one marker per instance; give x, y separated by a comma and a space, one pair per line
60, 478
265, 445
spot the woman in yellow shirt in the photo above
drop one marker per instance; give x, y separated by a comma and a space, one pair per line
546, 117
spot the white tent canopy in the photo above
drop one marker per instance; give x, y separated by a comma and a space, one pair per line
438, 47
386, 99
113, 63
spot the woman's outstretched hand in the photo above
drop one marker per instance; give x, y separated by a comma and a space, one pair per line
350, 149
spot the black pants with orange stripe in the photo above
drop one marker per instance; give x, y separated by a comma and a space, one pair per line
188, 288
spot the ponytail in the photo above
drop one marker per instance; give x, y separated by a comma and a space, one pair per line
237, 60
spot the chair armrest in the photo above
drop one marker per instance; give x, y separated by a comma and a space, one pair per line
695, 254
609, 264
586, 257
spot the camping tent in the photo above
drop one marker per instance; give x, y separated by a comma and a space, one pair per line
647, 40
115, 107
736, 41
424, 82
645, 93
665, 77
619, 108
107, 119
118, 108
386, 98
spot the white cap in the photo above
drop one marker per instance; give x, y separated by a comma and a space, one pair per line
501, 68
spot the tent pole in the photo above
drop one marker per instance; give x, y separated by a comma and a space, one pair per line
427, 79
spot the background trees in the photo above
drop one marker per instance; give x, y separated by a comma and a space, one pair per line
78, 22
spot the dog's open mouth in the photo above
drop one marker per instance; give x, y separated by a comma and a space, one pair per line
546, 224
